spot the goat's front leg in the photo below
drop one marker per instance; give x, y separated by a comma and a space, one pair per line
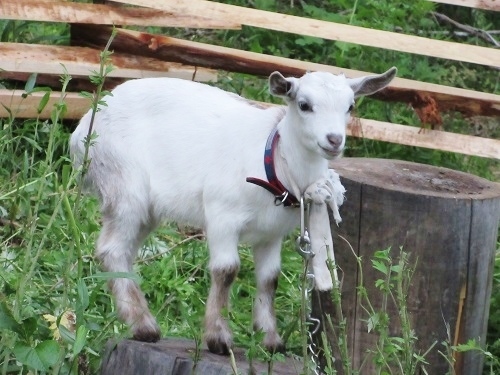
267, 269
224, 266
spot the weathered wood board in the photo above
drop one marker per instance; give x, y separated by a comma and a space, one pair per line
19, 60
479, 4
434, 139
174, 356
447, 98
369, 129
448, 222
330, 30
71, 12
20, 107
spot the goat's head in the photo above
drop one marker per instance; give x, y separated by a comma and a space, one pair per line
320, 105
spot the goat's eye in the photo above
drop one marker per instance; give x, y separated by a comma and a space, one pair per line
351, 108
304, 106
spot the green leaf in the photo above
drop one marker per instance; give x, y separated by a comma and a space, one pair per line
373, 322
66, 334
28, 327
41, 357
80, 339
7, 320
83, 294
380, 266
309, 41
33, 143
87, 95
82, 301
469, 345
30, 83
383, 254
66, 174
43, 102
108, 69
379, 283
396, 268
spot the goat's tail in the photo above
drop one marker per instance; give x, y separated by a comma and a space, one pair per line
77, 145
78, 140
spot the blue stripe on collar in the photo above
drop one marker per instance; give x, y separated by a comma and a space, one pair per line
273, 184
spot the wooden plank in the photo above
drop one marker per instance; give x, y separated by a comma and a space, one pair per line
60, 11
433, 139
26, 107
80, 61
369, 129
478, 4
468, 102
330, 30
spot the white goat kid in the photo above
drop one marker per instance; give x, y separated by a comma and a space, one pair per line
169, 149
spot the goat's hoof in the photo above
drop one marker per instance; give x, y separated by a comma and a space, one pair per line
273, 343
147, 335
218, 347
279, 348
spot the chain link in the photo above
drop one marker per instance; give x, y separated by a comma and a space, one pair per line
303, 245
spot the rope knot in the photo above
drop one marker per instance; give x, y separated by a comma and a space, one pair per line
327, 190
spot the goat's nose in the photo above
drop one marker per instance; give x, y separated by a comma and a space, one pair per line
335, 139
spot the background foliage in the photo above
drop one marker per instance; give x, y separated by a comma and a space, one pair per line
47, 230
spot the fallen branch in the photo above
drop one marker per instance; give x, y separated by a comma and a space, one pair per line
485, 35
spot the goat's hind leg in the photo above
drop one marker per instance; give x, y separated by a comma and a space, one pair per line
117, 248
267, 261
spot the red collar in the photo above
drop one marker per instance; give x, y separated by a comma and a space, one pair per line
273, 185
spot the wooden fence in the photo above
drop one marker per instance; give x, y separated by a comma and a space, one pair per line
139, 54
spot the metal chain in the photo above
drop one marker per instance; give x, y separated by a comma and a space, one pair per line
304, 249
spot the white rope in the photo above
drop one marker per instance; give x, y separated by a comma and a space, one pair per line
315, 244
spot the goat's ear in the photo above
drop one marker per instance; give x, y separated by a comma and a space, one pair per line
368, 85
281, 86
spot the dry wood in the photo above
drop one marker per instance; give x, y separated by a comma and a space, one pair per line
80, 61
329, 30
370, 129
60, 11
27, 107
434, 139
479, 4
447, 221
177, 356
485, 35
468, 102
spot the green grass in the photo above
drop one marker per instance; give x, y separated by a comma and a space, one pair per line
48, 230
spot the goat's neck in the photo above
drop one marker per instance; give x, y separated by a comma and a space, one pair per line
296, 166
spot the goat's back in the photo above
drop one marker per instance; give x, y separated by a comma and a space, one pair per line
170, 144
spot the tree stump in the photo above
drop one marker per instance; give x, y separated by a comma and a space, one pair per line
448, 222
177, 356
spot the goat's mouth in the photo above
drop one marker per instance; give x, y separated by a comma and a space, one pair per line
330, 153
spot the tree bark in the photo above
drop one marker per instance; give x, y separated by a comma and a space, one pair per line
448, 222
176, 356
